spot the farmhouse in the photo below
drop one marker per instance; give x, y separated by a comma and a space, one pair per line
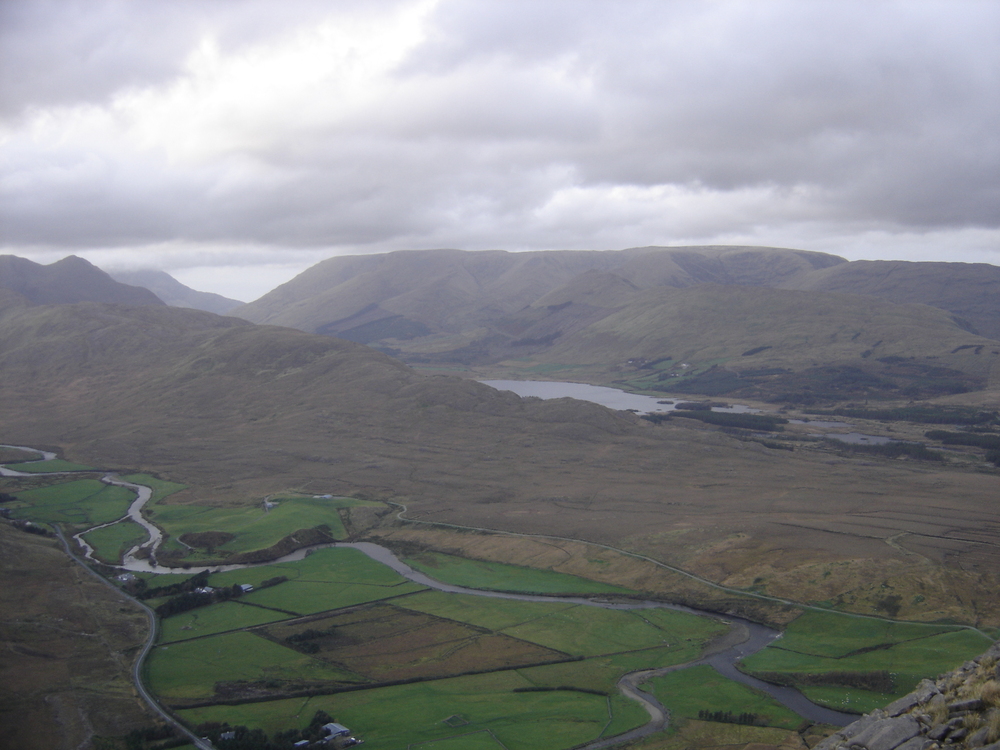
335, 730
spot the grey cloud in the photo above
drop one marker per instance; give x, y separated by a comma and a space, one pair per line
880, 114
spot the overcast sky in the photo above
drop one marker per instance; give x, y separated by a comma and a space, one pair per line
236, 143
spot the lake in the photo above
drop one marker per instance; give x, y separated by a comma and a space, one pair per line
609, 397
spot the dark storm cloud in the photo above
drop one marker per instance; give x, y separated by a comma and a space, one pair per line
483, 123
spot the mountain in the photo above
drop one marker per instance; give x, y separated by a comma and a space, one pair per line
66, 281
174, 293
412, 294
970, 291
238, 411
770, 323
759, 342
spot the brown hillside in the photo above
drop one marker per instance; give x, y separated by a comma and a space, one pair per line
239, 411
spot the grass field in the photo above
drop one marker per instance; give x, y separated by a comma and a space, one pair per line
253, 527
326, 579
571, 628
191, 669
86, 502
112, 541
56, 464
700, 688
427, 635
309, 597
216, 618
822, 643
398, 717
493, 576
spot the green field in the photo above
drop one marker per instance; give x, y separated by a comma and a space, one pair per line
87, 502
326, 579
572, 628
253, 527
554, 708
398, 717
112, 541
824, 643
190, 669
493, 576
216, 618
55, 465
689, 691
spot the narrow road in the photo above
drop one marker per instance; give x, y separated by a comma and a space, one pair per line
137, 665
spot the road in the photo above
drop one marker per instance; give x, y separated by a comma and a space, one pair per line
140, 660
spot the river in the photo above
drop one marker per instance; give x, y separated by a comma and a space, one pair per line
743, 639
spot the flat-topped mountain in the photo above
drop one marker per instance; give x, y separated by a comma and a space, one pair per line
773, 317
410, 294
66, 281
174, 293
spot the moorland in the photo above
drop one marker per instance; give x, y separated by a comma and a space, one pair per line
227, 415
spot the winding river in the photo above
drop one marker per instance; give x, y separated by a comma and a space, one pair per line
743, 638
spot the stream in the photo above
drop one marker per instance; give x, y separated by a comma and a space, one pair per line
743, 639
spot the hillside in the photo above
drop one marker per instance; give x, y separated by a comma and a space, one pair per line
971, 291
239, 411
421, 293
69, 280
174, 293
757, 342
590, 313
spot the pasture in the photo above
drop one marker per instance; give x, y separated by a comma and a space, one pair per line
401, 716
191, 669
327, 579
81, 502
690, 691
251, 528
110, 542
495, 576
572, 628
832, 657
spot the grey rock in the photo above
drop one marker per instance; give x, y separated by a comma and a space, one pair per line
917, 743
924, 692
978, 738
943, 730
887, 734
973, 704
958, 735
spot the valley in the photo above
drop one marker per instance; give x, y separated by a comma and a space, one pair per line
259, 442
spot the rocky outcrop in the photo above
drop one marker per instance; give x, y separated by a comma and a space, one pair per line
958, 711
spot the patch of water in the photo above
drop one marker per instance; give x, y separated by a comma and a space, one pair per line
612, 398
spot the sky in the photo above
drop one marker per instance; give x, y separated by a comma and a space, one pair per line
235, 143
